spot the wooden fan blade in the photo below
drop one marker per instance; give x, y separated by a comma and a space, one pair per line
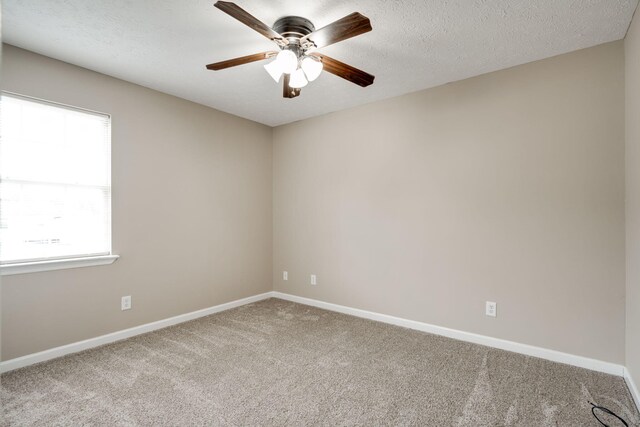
345, 71
241, 60
249, 20
288, 91
342, 29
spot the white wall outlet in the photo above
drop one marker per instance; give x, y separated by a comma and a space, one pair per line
285, 275
491, 309
314, 279
125, 304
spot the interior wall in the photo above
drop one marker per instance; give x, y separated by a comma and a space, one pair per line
1, 46
632, 126
508, 187
192, 211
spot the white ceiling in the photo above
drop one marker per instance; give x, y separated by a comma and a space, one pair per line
415, 44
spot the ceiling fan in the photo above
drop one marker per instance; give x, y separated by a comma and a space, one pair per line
296, 37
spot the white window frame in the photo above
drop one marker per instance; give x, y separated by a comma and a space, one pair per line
71, 261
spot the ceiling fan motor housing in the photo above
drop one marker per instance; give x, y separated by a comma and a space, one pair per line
293, 28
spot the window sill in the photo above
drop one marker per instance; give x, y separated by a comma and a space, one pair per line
58, 264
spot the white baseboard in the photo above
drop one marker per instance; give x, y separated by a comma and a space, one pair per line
632, 387
53, 353
529, 350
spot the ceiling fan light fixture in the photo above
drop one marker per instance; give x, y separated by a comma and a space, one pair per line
297, 39
287, 60
298, 80
312, 67
275, 70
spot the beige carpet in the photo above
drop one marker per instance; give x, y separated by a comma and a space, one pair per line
280, 363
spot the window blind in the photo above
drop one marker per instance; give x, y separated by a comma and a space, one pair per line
55, 181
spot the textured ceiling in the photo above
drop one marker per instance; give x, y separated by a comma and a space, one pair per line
415, 44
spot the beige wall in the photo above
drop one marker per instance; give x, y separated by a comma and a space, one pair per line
632, 74
507, 187
191, 212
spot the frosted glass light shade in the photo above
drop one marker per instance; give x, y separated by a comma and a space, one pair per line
288, 61
298, 79
312, 67
274, 69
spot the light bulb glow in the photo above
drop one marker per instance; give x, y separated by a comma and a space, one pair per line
312, 67
288, 61
274, 69
298, 79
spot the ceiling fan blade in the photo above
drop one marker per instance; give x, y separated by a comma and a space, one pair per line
345, 71
288, 91
342, 29
241, 60
249, 20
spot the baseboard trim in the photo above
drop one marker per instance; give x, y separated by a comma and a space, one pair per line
30, 359
529, 350
633, 389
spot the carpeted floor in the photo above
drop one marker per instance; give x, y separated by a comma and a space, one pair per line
281, 363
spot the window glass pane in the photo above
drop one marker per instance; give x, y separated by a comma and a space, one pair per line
50, 144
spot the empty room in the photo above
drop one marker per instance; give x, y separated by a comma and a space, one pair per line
285, 213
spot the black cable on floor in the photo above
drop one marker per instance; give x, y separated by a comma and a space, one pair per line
606, 411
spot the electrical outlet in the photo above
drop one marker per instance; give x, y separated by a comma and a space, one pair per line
125, 304
285, 275
314, 279
491, 309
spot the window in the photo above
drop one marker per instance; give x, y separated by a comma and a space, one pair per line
55, 182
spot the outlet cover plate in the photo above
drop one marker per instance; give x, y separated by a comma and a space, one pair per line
491, 309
